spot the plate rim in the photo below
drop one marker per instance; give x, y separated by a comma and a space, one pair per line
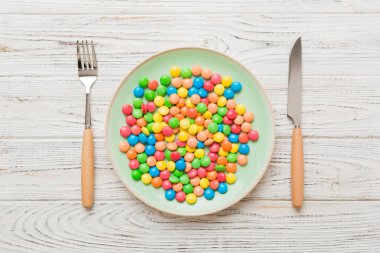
265, 98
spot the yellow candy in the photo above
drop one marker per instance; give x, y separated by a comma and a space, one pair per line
234, 148
183, 136
204, 183
164, 124
156, 127
222, 101
171, 166
226, 81
182, 92
230, 178
221, 152
161, 165
189, 104
199, 153
218, 137
184, 124
191, 150
200, 128
163, 110
191, 198
145, 131
157, 117
193, 129
146, 178
159, 101
219, 89
175, 71
170, 138
207, 115
240, 109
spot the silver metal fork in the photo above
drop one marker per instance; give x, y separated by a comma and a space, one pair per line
87, 71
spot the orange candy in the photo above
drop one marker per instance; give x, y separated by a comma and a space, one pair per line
206, 73
213, 97
248, 117
195, 181
226, 146
181, 102
239, 120
139, 148
192, 142
199, 120
184, 111
207, 122
195, 99
171, 146
231, 104
160, 145
242, 160
213, 108
189, 157
156, 182
177, 82
211, 175
174, 99
202, 136
177, 187
151, 161
141, 122
159, 137
187, 83
221, 160
231, 167
196, 70
174, 110
131, 154
124, 146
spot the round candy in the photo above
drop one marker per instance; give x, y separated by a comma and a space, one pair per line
209, 193
143, 82
186, 73
216, 78
136, 175
175, 71
223, 188
242, 160
226, 81
228, 93
170, 194
152, 85
206, 73
127, 109
253, 135
165, 80
138, 92
198, 191
125, 131
196, 70
244, 149
191, 198
124, 146
146, 178
198, 82
180, 196
236, 86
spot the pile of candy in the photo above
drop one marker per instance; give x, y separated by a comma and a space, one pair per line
188, 134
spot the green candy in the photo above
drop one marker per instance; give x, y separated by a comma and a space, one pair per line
205, 161
178, 173
188, 188
186, 73
143, 82
148, 117
201, 108
212, 127
192, 121
136, 175
184, 179
144, 168
137, 103
149, 126
196, 163
150, 95
167, 154
174, 122
182, 151
222, 111
231, 158
220, 168
165, 80
161, 91
137, 113
167, 102
217, 118
142, 158
173, 179
226, 130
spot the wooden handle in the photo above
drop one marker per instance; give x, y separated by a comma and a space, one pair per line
297, 168
88, 169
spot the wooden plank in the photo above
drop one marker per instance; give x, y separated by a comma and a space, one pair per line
190, 7
345, 169
56, 106
333, 45
130, 226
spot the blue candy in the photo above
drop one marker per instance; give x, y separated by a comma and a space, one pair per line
228, 93
138, 92
220, 128
151, 139
243, 149
154, 172
234, 138
180, 164
222, 188
198, 82
132, 140
200, 144
202, 93
142, 138
209, 193
171, 90
236, 86
170, 194
150, 150
192, 91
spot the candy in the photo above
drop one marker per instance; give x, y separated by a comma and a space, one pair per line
172, 123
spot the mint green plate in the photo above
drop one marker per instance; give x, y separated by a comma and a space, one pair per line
252, 95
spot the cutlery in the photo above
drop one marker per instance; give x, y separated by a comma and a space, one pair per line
87, 71
294, 112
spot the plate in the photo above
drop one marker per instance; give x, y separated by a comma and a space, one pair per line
252, 95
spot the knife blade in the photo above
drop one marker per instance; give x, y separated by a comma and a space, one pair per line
294, 113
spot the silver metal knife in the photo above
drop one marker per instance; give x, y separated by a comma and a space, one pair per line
294, 112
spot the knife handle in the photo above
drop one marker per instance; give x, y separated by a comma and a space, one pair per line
88, 169
297, 170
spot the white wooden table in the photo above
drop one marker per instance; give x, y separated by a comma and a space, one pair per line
42, 115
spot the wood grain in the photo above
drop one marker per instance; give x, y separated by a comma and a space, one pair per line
335, 169
249, 226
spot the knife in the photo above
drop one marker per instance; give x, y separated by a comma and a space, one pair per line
294, 113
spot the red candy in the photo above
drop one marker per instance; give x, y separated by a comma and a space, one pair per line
125, 131
208, 86
192, 173
136, 130
231, 114
227, 121
214, 184
167, 131
130, 120
151, 107
159, 155
214, 147
235, 129
166, 185
216, 78
211, 167
213, 156
253, 135
202, 172
180, 143
243, 138
221, 177
127, 109
192, 113
180, 196
134, 164
144, 108
205, 101
175, 156
153, 84
167, 118
165, 174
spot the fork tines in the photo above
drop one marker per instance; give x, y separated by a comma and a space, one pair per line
86, 59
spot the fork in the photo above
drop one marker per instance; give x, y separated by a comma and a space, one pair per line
87, 71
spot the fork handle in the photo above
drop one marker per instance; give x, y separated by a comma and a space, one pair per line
88, 169
297, 168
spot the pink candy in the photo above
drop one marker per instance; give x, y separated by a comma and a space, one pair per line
253, 135
125, 131
134, 164
167, 131
216, 78
127, 109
